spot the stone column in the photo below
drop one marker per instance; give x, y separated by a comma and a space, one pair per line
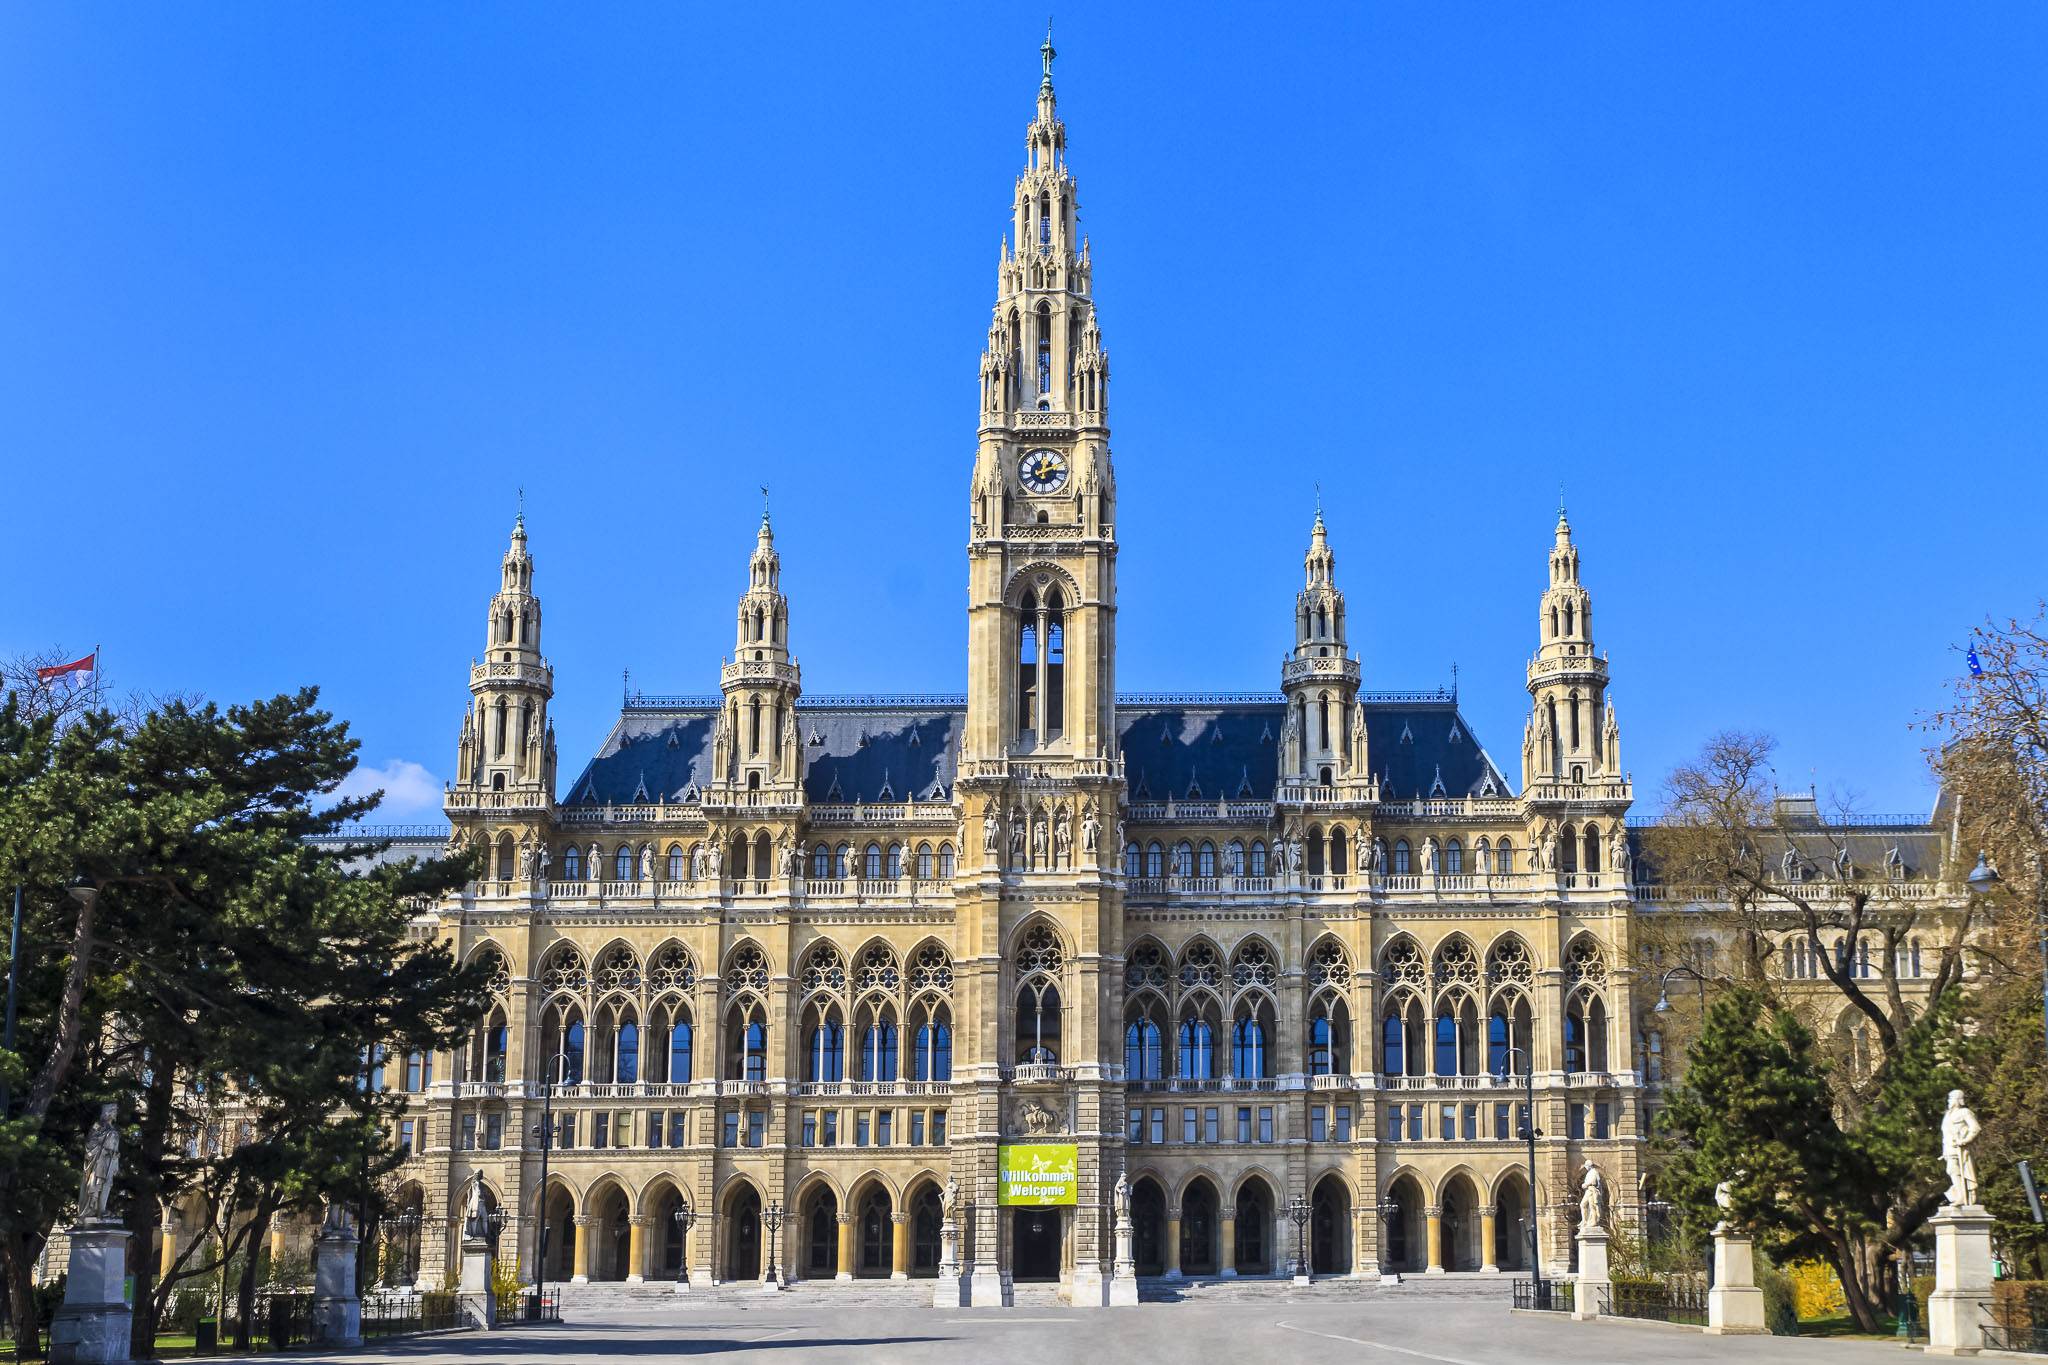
899, 1246
845, 1271
579, 1264
1433, 1217
1228, 1269
1487, 1225
337, 1312
1735, 1306
1962, 1280
636, 1249
1593, 1283
92, 1324
1173, 1244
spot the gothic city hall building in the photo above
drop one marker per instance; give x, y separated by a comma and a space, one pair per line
827, 973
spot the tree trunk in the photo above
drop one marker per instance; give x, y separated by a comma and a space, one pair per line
21, 1297
245, 1293
70, 1014
1859, 1290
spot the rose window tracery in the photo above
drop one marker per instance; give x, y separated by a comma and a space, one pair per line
1199, 966
748, 970
878, 970
1145, 969
566, 973
1040, 953
824, 970
618, 970
1328, 966
1254, 965
673, 970
933, 969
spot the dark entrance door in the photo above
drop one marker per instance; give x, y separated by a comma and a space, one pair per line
1036, 1243
745, 1248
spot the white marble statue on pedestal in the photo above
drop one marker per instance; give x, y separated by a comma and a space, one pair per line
1960, 1303
92, 1323
1959, 1130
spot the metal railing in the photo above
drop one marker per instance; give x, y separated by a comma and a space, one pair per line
1545, 1296
403, 1314
2018, 1322
1665, 1301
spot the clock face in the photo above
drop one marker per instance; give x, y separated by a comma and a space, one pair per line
1042, 471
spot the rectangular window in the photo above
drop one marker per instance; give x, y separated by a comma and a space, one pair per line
678, 1129
1318, 1123
917, 1128
405, 1129
731, 1136
828, 1129
1159, 1125
810, 1132
1265, 1123
1343, 1133
1394, 1133
1603, 1120
415, 1070
565, 1133
885, 1128
1209, 1125
600, 1130
1415, 1133
1471, 1123
1576, 1130
494, 1132
1522, 1123
1447, 1122
938, 1127
1137, 1123
757, 1127
469, 1132
1190, 1120
622, 1128
654, 1117
860, 1129
1244, 1124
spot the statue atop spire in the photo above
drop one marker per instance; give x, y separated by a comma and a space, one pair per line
1047, 52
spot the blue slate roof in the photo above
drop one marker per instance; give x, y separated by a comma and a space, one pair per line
881, 749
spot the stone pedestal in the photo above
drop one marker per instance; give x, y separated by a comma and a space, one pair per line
1594, 1284
947, 1290
989, 1287
1735, 1306
1961, 1301
92, 1324
1088, 1288
478, 1302
1123, 1279
337, 1312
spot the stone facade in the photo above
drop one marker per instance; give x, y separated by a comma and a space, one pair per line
824, 954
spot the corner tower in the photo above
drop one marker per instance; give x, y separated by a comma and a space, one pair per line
508, 742
1042, 549
756, 747
1572, 739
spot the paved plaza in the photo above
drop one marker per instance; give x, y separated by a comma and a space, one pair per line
1391, 1326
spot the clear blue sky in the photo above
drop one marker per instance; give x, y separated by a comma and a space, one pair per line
293, 297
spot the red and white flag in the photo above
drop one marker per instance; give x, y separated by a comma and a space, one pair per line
76, 669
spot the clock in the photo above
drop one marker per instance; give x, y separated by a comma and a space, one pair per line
1042, 471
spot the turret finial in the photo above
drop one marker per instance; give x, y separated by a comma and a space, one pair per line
1047, 52
519, 519
764, 504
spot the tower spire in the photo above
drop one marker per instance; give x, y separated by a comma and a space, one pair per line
1047, 52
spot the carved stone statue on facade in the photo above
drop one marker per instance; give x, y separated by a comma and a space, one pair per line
1618, 854
1233, 860
715, 860
1379, 855
1091, 832
697, 863
949, 1200
1959, 1129
646, 862
1294, 855
1037, 1120
1592, 1196
102, 1159
785, 857
529, 858
991, 830
474, 1227
1429, 855
1120, 1200
1063, 838
1038, 841
1017, 840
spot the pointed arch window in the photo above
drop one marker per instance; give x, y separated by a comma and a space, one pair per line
1195, 1049
1258, 860
1044, 346
1250, 1057
572, 864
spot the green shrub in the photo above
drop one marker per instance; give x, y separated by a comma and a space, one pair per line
1781, 1306
188, 1306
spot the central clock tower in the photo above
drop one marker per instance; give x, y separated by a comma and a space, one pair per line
1039, 897
1042, 549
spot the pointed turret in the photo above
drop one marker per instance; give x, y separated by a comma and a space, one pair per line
1572, 737
755, 748
1319, 677
503, 744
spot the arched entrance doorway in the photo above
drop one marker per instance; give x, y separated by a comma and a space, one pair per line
1511, 1224
1198, 1228
1330, 1227
815, 1246
874, 1234
1035, 1244
665, 1236
927, 1215
1148, 1227
1460, 1226
1253, 1228
743, 1235
610, 1235
1403, 1247
559, 1232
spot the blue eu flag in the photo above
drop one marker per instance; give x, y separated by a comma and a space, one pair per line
1976, 668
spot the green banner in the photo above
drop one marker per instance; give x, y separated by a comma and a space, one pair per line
1039, 1174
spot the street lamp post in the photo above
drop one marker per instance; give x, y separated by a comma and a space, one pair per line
1983, 877
1298, 1213
686, 1218
546, 1138
1663, 1005
771, 1218
1388, 1210
1530, 1132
